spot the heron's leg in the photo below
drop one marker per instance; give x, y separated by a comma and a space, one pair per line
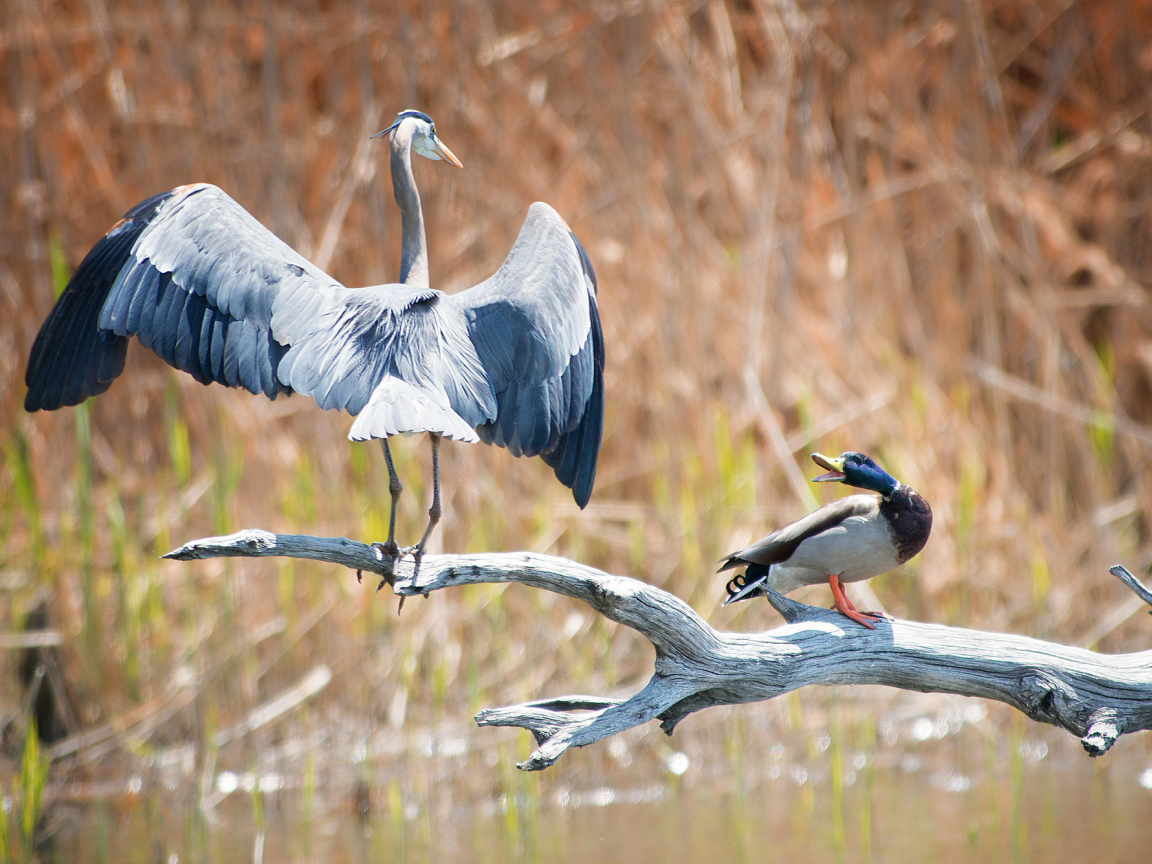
434, 510
395, 487
389, 547
844, 605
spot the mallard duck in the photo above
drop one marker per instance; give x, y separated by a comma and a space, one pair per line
855, 538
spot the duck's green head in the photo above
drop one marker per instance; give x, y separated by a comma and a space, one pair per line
855, 469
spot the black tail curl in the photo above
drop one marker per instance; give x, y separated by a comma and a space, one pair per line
737, 584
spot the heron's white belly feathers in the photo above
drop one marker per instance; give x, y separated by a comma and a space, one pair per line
859, 548
399, 408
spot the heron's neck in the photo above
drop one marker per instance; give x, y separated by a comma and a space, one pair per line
413, 247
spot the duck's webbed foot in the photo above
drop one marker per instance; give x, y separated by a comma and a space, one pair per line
877, 615
846, 608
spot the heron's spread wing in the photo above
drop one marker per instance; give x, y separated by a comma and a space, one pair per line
779, 545
212, 291
217, 295
536, 332
197, 279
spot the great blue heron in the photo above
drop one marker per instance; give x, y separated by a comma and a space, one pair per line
515, 361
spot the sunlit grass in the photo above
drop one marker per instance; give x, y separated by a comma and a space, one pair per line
33, 774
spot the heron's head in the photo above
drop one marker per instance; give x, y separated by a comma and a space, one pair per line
855, 469
421, 130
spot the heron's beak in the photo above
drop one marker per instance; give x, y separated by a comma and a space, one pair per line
835, 468
446, 154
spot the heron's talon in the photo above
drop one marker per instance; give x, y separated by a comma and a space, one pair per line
388, 553
388, 549
417, 552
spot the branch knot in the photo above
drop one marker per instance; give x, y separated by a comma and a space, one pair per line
1048, 699
1104, 728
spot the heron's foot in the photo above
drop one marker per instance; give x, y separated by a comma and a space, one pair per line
388, 549
416, 555
389, 553
417, 552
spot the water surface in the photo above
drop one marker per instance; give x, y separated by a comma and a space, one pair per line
855, 774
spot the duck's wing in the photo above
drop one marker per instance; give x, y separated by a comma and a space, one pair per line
536, 331
779, 546
214, 293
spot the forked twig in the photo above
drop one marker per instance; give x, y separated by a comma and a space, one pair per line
1121, 573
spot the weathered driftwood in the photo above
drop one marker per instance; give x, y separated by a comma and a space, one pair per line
1097, 697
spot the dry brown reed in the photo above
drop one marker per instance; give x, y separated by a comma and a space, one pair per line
916, 230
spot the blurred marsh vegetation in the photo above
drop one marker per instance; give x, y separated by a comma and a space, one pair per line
918, 230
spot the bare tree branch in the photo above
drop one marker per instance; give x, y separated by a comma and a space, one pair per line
1134, 584
1097, 697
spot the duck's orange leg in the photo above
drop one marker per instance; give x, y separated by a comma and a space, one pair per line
845, 607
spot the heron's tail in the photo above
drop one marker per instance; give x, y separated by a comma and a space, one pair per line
398, 408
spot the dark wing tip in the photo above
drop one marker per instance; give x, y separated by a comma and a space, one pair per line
575, 456
548, 404
71, 359
594, 410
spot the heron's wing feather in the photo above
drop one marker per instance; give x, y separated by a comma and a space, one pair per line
198, 280
342, 345
779, 546
536, 332
380, 353
216, 294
